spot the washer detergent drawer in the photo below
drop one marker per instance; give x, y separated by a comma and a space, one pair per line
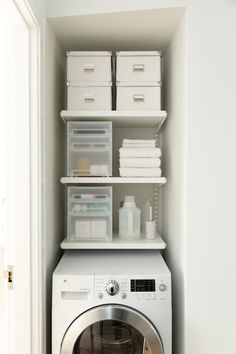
111, 329
72, 288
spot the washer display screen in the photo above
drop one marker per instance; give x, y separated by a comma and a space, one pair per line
142, 285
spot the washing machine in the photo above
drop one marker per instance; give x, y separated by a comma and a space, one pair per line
116, 302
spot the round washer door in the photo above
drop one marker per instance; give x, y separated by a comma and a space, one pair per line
111, 329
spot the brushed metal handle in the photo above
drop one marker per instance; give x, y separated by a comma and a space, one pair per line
89, 67
139, 98
138, 67
89, 98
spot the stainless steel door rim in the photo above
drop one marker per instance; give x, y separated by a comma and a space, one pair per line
112, 312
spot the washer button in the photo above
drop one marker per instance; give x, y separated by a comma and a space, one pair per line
162, 287
123, 295
100, 296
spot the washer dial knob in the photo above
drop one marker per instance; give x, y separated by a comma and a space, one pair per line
112, 287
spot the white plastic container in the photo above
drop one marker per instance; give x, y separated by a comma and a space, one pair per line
86, 96
132, 96
88, 66
138, 66
129, 220
89, 149
89, 213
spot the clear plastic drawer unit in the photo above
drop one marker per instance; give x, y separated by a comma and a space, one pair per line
89, 213
89, 149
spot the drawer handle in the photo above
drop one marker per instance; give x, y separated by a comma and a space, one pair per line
89, 98
89, 67
138, 98
138, 67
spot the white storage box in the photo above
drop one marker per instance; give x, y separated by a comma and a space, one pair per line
132, 96
86, 97
89, 213
88, 67
138, 66
89, 149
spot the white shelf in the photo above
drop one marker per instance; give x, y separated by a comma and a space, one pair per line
119, 118
113, 180
116, 243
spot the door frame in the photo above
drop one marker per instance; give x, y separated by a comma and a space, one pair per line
36, 246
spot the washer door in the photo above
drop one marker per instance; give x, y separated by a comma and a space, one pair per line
111, 329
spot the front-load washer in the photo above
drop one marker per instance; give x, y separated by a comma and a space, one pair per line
116, 302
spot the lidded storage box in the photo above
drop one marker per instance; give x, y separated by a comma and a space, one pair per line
89, 80
89, 213
86, 96
88, 67
138, 66
133, 96
138, 80
89, 149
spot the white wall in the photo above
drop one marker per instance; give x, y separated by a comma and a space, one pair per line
211, 171
57, 8
174, 167
54, 159
39, 9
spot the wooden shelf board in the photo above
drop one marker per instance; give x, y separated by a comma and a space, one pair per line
113, 180
116, 243
119, 118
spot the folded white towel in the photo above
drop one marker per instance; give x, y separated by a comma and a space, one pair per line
151, 152
146, 146
140, 162
140, 172
138, 141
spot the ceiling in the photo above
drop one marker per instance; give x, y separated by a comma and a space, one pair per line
134, 30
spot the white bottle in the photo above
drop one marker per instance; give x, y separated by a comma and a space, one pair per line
129, 220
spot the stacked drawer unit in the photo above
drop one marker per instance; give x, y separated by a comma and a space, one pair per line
89, 80
89, 213
138, 80
89, 149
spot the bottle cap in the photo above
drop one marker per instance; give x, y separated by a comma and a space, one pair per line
129, 201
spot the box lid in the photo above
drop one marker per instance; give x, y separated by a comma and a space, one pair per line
89, 84
140, 54
138, 84
88, 54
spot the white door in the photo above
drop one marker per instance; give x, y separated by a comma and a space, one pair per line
17, 207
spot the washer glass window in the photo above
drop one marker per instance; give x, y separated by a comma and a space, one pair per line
109, 337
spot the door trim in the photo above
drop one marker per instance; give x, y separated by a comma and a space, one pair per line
36, 271
112, 312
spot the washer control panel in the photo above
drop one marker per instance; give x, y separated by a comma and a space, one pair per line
112, 287
116, 288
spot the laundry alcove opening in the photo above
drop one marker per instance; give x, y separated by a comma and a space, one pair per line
161, 29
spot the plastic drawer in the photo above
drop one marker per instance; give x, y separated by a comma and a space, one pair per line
89, 149
89, 213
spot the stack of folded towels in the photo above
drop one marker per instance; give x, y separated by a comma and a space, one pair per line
140, 158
